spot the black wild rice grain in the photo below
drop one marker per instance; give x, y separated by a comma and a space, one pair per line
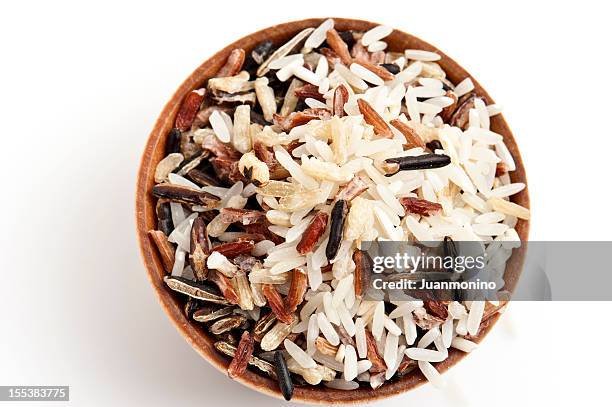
450, 249
224, 325
173, 141
230, 350
301, 105
203, 179
393, 68
262, 51
363, 271
258, 118
338, 216
188, 147
191, 306
434, 145
208, 313
199, 291
282, 374
199, 249
259, 54
280, 88
447, 85
186, 195
187, 166
264, 324
347, 37
164, 217
420, 162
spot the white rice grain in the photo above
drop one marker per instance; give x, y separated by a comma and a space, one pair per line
360, 338
219, 126
366, 74
322, 69
377, 46
494, 109
346, 319
463, 344
475, 202
485, 136
490, 217
509, 208
181, 233
350, 363
341, 384
340, 353
375, 34
363, 366
378, 320
390, 351
425, 355
217, 261
413, 105
431, 374
429, 337
398, 360
315, 104
391, 326
410, 73
421, 55
389, 199
311, 335
350, 77
327, 329
287, 265
330, 309
447, 332
286, 72
177, 213
505, 155
179, 262
506, 190
294, 169
315, 277
306, 75
489, 229
261, 248
483, 114
286, 60
311, 305
176, 179
475, 317
301, 357
420, 231
410, 329
464, 87
319, 34
342, 289
324, 86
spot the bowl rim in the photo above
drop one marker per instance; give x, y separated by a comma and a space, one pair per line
195, 335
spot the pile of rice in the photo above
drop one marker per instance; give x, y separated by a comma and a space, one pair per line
318, 158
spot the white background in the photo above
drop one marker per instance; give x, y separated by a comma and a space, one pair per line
81, 85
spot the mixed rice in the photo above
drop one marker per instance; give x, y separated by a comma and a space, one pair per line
290, 157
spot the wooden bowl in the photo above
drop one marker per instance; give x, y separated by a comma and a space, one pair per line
193, 332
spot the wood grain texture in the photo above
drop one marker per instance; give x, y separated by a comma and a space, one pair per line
146, 218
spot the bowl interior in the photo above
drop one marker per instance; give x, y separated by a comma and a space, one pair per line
146, 218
